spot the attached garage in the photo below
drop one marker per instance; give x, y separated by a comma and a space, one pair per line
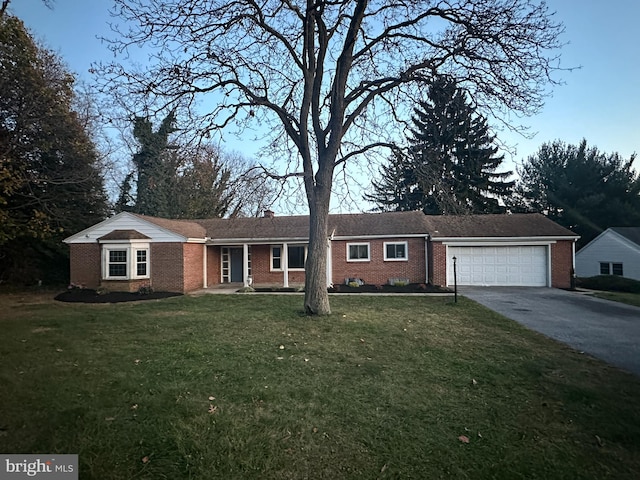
504, 265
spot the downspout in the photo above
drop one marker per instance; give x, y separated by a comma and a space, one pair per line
426, 259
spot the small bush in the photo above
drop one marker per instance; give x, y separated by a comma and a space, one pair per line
145, 290
611, 283
354, 284
102, 290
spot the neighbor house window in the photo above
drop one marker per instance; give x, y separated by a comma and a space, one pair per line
609, 268
395, 251
358, 252
296, 257
125, 261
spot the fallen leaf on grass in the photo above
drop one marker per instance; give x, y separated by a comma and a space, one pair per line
134, 406
463, 439
599, 441
211, 398
213, 408
109, 419
474, 382
145, 459
384, 467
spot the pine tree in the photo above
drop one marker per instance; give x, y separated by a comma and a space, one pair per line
451, 162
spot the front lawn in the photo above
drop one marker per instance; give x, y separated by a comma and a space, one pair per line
239, 387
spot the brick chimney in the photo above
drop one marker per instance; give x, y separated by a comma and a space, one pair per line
269, 214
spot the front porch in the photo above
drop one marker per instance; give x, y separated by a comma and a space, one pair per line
258, 265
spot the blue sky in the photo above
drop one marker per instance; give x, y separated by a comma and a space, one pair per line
599, 102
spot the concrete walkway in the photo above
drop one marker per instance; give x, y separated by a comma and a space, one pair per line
602, 328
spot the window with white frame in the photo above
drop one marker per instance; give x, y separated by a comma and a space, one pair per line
396, 251
358, 252
610, 268
296, 257
125, 261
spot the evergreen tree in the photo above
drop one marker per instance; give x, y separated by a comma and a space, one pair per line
579, 187
451, 162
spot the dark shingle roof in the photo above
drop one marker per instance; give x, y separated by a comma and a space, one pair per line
124, 235
186, 228
514, 225
367, 224
630, 233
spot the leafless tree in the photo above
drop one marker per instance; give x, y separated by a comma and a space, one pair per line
330, 77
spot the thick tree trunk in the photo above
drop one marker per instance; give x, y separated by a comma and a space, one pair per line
316, 297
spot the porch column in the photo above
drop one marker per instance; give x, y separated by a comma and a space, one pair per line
204, 268
245, 264
285, 264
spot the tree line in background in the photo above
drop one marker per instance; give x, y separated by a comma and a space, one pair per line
52, 175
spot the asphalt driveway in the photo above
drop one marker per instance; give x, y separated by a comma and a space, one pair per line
604, 329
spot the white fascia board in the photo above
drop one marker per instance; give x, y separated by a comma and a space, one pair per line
196, 240
493, 241
373, 237
86, 232
89, 235
255, 241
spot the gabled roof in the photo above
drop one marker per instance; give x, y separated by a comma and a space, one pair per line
630, 233
186, 228
495, 225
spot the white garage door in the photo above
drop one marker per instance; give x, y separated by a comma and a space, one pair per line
508, 266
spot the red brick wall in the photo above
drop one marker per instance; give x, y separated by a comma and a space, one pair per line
261, 268
377, 271
193, 266
438, 266
561, 264
167, 272
125, 285
85, 264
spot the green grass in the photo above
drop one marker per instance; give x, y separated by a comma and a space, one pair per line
622, 297
383, 388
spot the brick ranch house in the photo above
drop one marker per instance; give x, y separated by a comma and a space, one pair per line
128, 251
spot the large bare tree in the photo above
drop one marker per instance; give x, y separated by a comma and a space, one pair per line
328, 79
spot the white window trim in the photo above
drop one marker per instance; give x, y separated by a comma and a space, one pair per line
282, 257
406, 252
367, 244
132, 250
271, 257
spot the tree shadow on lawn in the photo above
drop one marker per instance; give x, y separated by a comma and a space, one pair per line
87, 295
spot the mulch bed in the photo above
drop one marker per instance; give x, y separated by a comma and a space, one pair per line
86, 295
410, 288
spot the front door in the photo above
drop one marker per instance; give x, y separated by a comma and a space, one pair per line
236, 265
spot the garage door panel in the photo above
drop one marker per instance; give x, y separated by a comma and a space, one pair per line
499, 265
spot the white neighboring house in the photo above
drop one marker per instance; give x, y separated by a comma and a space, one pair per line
616, 251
